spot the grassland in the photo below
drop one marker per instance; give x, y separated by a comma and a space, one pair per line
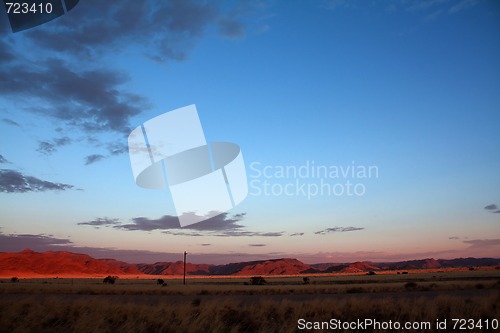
230, 305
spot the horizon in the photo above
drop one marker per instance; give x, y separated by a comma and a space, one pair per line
27, 250
369, 132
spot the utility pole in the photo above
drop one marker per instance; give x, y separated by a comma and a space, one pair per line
185, 253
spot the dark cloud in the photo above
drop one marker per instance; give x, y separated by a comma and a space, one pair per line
49, 147
297, 234
216, 223
10, 122
99, 222
164, 29
257, 245
66, 82
11, 243
206, 244
12, 181
3, 160
219, 222
337, 229
222, 225
93, 158
90, 100
146, 224
491, 207
496, 211
454, 237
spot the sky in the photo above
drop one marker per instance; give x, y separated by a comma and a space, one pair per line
369, 130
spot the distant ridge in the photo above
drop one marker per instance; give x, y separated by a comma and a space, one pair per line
61, 263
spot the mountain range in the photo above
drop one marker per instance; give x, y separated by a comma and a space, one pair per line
61, 263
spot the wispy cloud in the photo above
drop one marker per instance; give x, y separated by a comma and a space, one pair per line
93, 158
483, 243
337, 229
99, 222
256, 245
9, 121
3, 160
49, 147
12, 181
297, 234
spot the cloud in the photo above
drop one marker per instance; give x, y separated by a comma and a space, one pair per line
11, 243
165, 30
461, 5
100, 222
3, 160
10, 121
47, 148
496, 211
297, 234
216, 223
206, 244
222, 225
93, 158
89, 99
249, 234
483, 243
257, 245
491, 207
12, 181
63, 80
453, 237
337, 229
146, 224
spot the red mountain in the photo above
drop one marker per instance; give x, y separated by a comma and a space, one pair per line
173, 268
359, 267
60, 263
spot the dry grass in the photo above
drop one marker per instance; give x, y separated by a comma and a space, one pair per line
57, 314
227, 305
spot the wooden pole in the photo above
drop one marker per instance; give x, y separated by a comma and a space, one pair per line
185, 253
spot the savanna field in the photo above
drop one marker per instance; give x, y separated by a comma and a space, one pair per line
234, 304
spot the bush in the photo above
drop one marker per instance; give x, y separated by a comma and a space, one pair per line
14, 279
306, 280
257, 280
160, 281
371, 273
411, 285
110, 279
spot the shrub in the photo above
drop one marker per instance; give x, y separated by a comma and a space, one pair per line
110, 279
306, 280
257, 280
14, 279
160, 281
371, 273
411, 285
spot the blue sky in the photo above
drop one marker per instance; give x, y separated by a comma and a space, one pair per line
411, 87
